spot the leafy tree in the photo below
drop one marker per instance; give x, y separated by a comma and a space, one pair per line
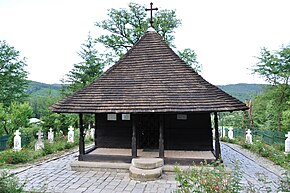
15, 116
126, 26
274, 67
13, 76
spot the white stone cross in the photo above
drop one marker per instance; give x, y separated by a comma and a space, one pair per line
17, 141
287, 143
249, 138
39, 143
231, 133
70, 135
92, 133
50, 136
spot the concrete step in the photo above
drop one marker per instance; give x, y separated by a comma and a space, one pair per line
147, 163
145, 175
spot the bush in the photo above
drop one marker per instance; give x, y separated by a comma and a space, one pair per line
208, 178
15, 157
9, 183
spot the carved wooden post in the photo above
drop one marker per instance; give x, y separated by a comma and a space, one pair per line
134, 140
81, 141
96, 140
217, 137
161, 136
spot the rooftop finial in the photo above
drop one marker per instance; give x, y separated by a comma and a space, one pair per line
151, 10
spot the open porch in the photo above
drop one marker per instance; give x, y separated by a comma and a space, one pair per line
171, 157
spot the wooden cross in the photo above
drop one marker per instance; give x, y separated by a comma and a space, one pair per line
151, 10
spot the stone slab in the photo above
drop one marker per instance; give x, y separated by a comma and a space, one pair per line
147, 163
144, 175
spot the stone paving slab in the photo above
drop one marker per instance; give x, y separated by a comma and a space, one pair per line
57, 176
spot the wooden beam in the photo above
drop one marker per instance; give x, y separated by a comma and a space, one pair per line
95, 134
217, 137
134, 139
81, 139
161, 136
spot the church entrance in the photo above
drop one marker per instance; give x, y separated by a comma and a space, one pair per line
148, 127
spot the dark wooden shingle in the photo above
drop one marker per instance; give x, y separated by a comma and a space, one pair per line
149, 78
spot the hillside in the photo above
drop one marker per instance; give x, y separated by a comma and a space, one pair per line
240, 91
243, 91
42, 89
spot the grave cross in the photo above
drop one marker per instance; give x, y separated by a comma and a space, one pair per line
151, 10
39, 134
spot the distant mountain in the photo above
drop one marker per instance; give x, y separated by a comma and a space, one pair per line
243, 91
42, 89
240, 91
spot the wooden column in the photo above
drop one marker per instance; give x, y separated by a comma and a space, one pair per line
95, 134
217, 137
134, 139
161, 136
81, 139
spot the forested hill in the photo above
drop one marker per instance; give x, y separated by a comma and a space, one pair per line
240, 91
243, 91
42, 89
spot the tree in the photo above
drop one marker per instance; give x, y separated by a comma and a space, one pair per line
126, 26
88, 70
13, 76
14, 117
274, 67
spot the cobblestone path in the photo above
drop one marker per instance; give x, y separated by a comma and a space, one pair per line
56, 175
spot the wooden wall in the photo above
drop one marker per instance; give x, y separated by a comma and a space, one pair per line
114, 134
191, 134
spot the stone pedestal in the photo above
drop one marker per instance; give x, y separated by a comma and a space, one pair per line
146, 169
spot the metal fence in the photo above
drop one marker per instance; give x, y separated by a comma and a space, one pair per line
269, 137
3, 142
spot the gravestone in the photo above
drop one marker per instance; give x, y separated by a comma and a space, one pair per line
39, 144
50, 136
92, 133
17, 141
249, 138
231, 133
287, 143
88, 135
70, 135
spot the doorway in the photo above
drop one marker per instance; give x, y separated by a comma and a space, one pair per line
148, 127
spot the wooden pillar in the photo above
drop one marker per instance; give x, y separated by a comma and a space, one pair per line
81, 139
161, 136
134, 139
217, 137
95, 134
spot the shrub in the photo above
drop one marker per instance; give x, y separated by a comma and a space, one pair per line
9, 183
208, 178
15, 157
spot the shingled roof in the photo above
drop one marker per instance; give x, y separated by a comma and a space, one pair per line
149, 78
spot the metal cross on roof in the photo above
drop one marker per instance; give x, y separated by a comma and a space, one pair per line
151, 10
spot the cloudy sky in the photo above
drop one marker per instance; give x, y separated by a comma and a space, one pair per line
225, 34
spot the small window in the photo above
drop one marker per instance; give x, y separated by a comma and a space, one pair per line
181, 117
112, 117
126, 117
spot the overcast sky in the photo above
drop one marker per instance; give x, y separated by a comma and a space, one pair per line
225, 34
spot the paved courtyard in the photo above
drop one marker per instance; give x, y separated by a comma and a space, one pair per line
56, 175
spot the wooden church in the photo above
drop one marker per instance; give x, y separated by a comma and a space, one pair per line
150, 100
